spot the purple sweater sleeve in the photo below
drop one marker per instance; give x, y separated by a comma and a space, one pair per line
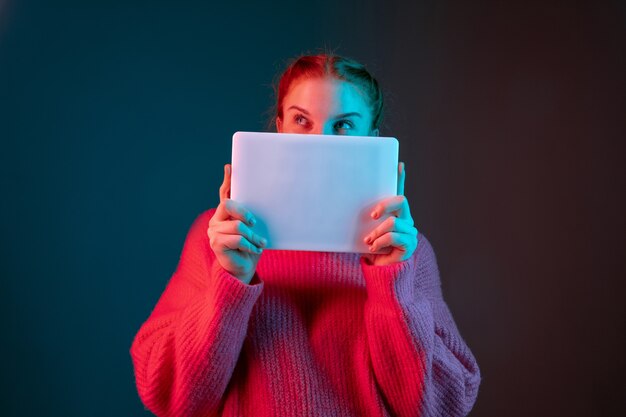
421, 363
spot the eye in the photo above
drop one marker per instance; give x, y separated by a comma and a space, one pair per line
344, 125
300, 120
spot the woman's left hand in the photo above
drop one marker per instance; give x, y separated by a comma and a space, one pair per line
396, 232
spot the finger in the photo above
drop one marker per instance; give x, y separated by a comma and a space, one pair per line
401, 176
231, 208
394, 239
237, 227
225, 187
238, 242
397, 205
391, 224
383, 251
238, 211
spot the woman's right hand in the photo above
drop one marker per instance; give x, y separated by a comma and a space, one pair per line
236, 246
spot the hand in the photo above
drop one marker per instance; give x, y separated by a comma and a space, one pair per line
396, 232
236, 247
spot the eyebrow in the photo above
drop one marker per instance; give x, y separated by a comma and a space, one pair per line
339, 116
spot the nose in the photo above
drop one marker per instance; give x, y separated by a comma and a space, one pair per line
325, 129
328, 130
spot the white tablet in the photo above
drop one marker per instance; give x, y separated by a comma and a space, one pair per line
313, 192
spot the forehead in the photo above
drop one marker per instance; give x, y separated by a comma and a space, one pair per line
326, 95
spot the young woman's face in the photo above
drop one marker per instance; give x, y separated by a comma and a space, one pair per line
325, 106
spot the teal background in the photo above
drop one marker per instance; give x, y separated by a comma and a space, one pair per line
115, 123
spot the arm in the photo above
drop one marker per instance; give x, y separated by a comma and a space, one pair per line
420, 361
185, 352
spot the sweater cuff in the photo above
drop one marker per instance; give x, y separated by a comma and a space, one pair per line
228, 292
389, 283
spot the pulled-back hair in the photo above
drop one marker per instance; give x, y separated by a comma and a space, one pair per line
341, 68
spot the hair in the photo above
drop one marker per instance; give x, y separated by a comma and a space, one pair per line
330, 65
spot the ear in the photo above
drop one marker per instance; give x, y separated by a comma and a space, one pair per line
375, 132
279, 125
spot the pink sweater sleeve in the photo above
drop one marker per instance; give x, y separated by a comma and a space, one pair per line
420, 361
185, 352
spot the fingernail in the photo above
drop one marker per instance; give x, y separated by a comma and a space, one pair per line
371, 249
368, 239
374, 214
263, 241
252, 221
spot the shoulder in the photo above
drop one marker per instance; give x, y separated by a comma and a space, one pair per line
200, 224
426, 268
205, 215
424, 251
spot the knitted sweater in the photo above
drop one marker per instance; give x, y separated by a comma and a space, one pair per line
313, 334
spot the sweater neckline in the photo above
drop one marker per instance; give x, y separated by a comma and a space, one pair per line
295, 268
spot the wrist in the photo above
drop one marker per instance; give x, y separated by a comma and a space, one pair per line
244, 278
247, 278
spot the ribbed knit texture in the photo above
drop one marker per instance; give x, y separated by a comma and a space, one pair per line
313, 334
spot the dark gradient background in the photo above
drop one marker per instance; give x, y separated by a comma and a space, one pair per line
116, 120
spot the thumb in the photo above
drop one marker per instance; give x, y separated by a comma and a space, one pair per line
225, 188
401, 176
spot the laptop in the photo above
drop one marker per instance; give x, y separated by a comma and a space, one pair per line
313, 192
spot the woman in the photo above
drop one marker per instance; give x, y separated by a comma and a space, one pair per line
240, 332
